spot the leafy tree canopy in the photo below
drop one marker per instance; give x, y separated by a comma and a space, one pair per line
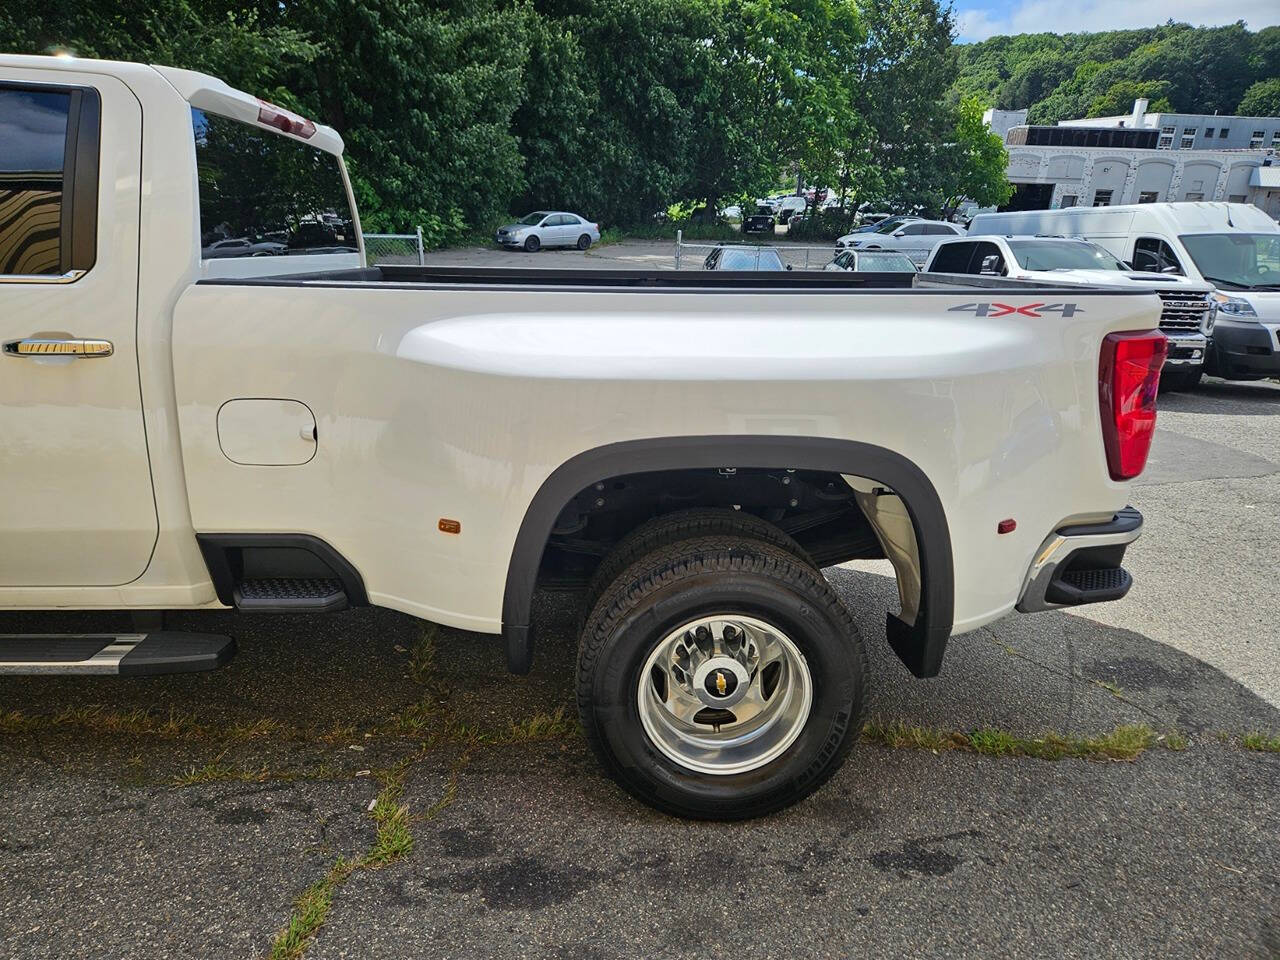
1176, 66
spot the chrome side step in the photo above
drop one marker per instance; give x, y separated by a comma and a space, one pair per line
113, 654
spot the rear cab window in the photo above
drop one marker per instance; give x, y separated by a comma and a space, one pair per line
48, 181
264, 194
952, 257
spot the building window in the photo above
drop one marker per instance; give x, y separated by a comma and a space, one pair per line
1195, 196
1275, 140
1168, 130
1102, 198
1166, 143
1255, 141
1188, 131
1223, 134
1208, 133
1236, 198
1187, 141
1069, 200
1149, 196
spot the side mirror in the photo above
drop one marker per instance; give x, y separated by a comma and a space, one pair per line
900, 233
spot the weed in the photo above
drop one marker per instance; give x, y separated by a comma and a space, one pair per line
1262, 742
1173, 740
1123, 743
309, 913
1111, 688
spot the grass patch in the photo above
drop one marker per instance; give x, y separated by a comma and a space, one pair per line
1125, 742
1173, 740
309, 913
1262, 742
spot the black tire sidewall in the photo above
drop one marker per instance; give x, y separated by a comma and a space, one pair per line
586, 245
532, 245
833, 665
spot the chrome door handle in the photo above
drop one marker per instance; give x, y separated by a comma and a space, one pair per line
42, 347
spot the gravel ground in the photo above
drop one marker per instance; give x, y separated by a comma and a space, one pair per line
186, 816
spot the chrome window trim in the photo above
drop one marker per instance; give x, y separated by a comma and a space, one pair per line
71, 276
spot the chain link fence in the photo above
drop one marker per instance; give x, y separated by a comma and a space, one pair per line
690, 256
394, 248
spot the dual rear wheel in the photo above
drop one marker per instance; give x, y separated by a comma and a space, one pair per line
719, 676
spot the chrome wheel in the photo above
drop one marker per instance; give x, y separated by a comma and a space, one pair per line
724, 694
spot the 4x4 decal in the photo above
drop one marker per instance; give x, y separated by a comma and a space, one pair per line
1026, 309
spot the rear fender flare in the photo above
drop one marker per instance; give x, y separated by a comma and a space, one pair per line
920, 644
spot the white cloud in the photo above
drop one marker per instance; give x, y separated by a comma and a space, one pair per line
1091, 16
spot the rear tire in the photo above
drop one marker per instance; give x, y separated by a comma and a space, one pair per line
584, 241
818, 696
532, 245
683, 525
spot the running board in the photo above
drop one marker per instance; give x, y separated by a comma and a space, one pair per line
115, 654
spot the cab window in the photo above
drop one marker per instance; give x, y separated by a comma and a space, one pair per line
952, 258
987, 260
1153, 255
48, 179
273, 194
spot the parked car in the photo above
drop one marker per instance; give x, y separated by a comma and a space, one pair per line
1233, 246
1188, 313
548, 228
871, 223
915, 238
242, 247
443, 440
791, 206
872, 261
735, 257
762, 221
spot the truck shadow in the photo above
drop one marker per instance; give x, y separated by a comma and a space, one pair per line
312, 686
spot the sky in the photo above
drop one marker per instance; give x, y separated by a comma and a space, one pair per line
979, 19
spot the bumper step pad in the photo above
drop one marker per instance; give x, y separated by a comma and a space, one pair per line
1075, 587
114, 654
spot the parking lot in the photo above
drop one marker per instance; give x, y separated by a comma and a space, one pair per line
361, 786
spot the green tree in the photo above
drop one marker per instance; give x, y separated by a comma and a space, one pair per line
1262, 99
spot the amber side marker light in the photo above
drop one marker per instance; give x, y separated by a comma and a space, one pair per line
449, 526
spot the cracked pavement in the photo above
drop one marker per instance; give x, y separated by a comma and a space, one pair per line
522, 849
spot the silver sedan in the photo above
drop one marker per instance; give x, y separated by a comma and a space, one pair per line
548, 228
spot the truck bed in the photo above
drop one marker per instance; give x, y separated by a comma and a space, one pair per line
794, 280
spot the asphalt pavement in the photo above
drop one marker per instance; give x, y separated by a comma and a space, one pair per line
392, 792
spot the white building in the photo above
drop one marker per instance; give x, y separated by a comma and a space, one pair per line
1113, 160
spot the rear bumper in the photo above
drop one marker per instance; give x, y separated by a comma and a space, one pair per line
1081, 564
1244, 350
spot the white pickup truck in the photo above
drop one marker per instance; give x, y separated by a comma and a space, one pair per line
270, 425
1188, 309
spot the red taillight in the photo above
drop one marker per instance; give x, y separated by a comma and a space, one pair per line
1128, 379
273, 116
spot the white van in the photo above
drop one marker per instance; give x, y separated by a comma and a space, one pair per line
1234, 246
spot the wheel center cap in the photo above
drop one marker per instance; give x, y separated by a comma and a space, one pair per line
721, 682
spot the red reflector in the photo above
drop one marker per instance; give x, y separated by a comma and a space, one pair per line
1007, 526
284, 121
1128, 379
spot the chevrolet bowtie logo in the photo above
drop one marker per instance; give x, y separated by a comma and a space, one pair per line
722, 685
